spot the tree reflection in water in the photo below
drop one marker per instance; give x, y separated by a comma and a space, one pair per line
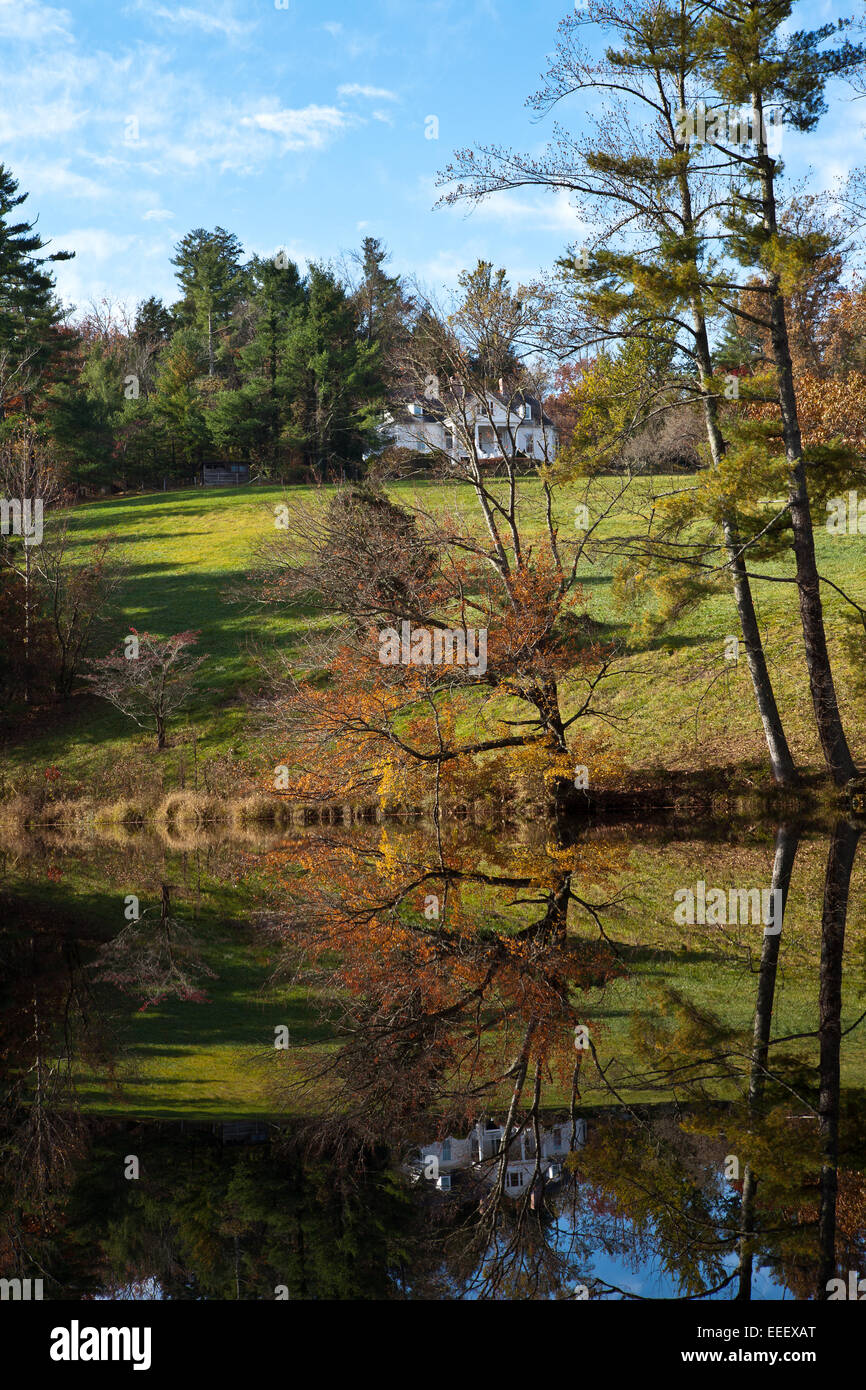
716, 1160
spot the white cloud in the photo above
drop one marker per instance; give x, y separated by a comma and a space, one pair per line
207, 21
79, 283
35, 177
157, 215
356, 43
302, 128
95, 243
548, 212
445, 267
37, 120
357, 89
30, 22
73, 109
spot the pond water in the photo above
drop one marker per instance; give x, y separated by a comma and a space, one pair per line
388, 1059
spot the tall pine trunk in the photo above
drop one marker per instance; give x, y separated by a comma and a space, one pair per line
781, 762
825, 704
787, 842
840, 862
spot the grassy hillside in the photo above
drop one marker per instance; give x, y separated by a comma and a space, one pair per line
683, 707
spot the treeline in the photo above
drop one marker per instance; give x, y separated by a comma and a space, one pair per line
255, 362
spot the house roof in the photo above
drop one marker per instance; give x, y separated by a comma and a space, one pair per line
436, 409
508, 400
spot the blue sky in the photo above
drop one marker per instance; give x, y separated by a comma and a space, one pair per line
303, 128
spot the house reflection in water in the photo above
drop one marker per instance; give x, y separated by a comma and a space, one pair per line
480, 1156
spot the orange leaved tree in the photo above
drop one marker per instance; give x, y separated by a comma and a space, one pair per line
458, 621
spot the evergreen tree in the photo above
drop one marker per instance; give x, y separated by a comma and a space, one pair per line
153, 322
383, 306
247, 422
650, 273
82, 409
178, 404
30, 316
335, 380
277, 292
752, 61
212, 278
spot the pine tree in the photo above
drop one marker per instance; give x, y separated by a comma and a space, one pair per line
212, 278
178, 403
153, 322
649, 275
248, 421
277, 292
751, 61
30, 316
335, 380
383, 304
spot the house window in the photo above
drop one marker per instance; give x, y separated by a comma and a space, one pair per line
527, 411
446, 1150
449, 441
416, 409
515, 1179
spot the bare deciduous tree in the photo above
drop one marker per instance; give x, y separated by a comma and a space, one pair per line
150, 680
29, 485
76, 597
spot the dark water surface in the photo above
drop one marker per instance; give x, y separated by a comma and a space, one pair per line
396, 1061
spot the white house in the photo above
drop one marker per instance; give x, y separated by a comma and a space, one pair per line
478, 1153
502, 424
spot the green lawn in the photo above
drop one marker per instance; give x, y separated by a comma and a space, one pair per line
682, 706
182, 553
